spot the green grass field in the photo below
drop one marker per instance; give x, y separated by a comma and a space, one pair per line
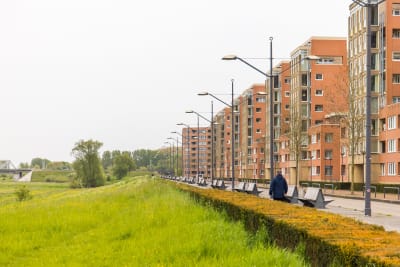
52, 176
136, 222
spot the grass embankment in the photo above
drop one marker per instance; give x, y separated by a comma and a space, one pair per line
140, 222
52, 176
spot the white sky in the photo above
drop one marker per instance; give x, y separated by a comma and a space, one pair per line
123, 72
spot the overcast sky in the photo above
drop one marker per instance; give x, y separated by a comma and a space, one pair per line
123, 72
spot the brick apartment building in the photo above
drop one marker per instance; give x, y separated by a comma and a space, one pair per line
313, 95
197, 151
252, 120
385, 87
314, 102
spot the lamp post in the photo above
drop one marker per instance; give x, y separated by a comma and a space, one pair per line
173, 154
175, 132
232, 128
368, 4
176, 152
170, 153
212, 136
188, 146
271, 103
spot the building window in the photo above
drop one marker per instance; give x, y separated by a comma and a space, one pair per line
391, 168
391, 145
383, 169
392, 123
287, 80
258, 109
319, 92
260, 99
328, 170
329, 137
325, 61
287, 94
396, 56
258, 119
396, 99
396, 33
319, 108
328, 154
395, 9
287, 106
313, 139
396, 78
319, 76
318, 122
258, 131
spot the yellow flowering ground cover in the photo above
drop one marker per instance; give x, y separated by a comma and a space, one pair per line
330, 239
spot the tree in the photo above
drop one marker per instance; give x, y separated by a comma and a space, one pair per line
41, 163
24, 165
106, 159
122, 164
87, 165
353, 117
297, 138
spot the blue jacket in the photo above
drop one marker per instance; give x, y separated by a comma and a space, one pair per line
278, 187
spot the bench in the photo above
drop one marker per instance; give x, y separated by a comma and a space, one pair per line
202, 182
314, 198
220, 184
251, 188
292, 194
241, 187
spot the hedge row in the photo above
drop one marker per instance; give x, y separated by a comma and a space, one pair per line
329, 239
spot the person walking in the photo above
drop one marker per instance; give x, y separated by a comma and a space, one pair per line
278, 188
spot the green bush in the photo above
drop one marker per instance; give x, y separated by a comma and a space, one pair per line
23, 193
75, 183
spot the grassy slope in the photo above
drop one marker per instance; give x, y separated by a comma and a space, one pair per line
141, 222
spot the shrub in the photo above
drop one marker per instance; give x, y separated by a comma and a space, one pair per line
23, 193
327, 238
75, 183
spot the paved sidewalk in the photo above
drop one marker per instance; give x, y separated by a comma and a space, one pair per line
385, 209
382, 213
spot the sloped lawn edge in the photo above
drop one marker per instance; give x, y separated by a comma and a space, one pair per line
328, 239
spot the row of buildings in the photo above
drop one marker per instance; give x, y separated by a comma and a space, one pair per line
318, 112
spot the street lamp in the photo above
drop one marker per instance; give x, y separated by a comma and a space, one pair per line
212, 135
173, 154
170, 153
368, 4
232, 129
177, 154
271, 104
188, 144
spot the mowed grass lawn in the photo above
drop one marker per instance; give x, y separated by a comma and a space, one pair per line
137, 222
